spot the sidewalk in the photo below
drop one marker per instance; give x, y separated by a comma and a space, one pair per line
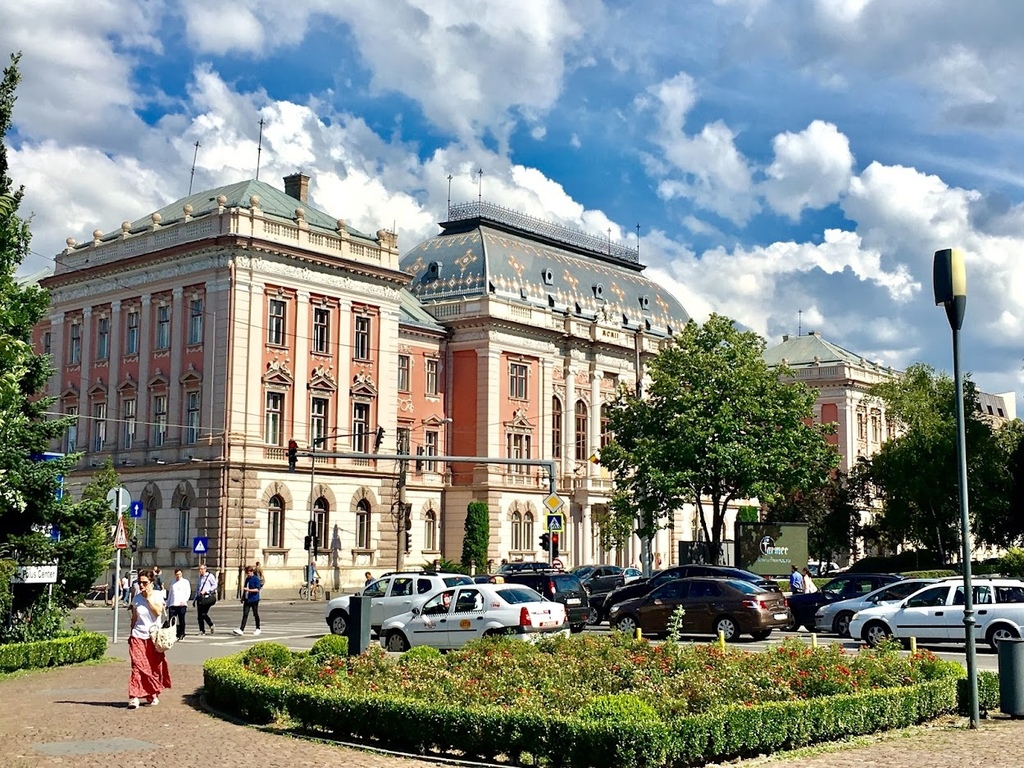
76, 717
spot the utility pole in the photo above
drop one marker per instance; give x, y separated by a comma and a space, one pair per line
402, 514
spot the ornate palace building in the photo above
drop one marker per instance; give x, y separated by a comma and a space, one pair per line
193, 344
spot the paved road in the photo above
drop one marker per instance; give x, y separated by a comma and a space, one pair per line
298, 624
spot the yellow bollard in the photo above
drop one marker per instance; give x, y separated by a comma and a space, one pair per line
913, 645
814, 640
639, 634
721, 640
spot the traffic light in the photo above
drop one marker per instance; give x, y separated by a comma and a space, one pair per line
134, 543
307, 543
408, 542
316, 546
554, 545
293, 455
545, 541
419, 461
378, 438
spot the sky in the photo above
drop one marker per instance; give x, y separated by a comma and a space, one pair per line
792, 165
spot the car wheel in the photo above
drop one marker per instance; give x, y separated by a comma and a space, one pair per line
577, 628
626, 624
726, 627
396, 642
761, 634
841, 626
793, 625
1000, 632
339, 622
594, 617
876, 632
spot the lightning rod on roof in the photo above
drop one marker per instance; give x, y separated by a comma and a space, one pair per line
192, 177
638, 241
799, 322
479, 185
259, 150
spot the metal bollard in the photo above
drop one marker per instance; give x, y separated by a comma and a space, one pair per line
913, 644
721, 640
814, 640
639, 634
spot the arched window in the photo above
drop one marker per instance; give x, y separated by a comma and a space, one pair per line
149, 535
606, 431
363, 524
556, 428
581, 431
527, 528
275, 523
517, 531
184, 523
321, 516
430, 531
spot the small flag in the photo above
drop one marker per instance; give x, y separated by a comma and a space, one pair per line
595, 458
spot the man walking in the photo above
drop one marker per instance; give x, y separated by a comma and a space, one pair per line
177, 601
250, 600
796, 581
206, 596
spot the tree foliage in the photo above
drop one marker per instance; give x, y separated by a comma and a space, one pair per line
715, 426
830, 511
29, 505
916, 474
477, 536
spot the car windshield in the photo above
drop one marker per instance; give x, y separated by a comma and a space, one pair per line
519, 595
566, 583
582, 571
454, 581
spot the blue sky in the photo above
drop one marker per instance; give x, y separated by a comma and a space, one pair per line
779, 157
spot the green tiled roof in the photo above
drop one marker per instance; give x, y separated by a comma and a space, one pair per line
811, 349
413, 313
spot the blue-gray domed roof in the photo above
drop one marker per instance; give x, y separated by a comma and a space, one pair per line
484, 249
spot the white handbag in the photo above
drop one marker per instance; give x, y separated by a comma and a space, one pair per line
163, 634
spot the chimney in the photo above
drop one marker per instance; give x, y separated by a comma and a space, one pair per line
297, 186
785, 338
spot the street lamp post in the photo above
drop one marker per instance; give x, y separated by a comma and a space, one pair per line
949, 278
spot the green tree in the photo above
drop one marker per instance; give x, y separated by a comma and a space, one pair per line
29, 505
830, 511
477, 535
916, 476
715, 426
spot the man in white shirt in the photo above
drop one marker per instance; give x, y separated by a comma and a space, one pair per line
177, 601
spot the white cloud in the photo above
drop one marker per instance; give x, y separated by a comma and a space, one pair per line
811, 169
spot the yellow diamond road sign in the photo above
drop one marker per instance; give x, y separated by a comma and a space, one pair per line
553, 502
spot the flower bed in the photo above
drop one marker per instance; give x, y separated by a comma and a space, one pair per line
588, 701
67, 649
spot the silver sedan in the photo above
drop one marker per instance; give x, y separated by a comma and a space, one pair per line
835, 617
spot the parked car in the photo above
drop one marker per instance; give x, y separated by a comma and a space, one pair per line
391, 594
835, 617
711, 606
842, 587
642, 586
822, 568
560, 587
631, 574
526, 566
455, 616
935, 614
599, 578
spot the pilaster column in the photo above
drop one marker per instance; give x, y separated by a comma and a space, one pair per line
175, 417
302, 370
569, 419
143, 404
214, 354
57, 353
341, 346
114, 362
546, 391
595, 419
86, 378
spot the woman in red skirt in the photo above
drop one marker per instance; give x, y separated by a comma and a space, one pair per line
149, 666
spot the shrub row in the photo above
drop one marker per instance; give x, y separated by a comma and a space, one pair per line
611, 732
69, 649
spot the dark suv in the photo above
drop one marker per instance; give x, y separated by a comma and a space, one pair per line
599, 578
559, 586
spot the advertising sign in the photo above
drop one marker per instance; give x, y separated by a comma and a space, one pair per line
35, 574
769, 549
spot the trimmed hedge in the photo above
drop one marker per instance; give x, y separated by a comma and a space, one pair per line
988, 693
622, 733
69, 649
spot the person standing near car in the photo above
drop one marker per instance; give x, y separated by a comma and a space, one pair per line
809, 587
250, 600
796, 581
177, 601
206, 596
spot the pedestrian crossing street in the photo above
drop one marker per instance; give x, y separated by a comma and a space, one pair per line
298, 635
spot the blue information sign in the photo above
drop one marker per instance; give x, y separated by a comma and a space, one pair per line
135, 510
200, 545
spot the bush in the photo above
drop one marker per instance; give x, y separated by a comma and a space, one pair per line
420, 653
254, 697
988, 693
263, 656
67, 649
329, 646
937, 573
477, 535
905, 561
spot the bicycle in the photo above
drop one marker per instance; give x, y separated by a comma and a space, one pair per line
318, 592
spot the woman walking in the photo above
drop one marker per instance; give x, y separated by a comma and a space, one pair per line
149, 675
250, 600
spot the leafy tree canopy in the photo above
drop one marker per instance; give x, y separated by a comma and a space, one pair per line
716, 425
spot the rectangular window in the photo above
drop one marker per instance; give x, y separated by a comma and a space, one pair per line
128, 423
149, 538
318, 407
517, 381
47, 340
99, 426
195, 321
403, 373
184, 515
431, 368
430, 449
103, 338
163, 327
361, 348
71, 438
404, 439
272, 418
75, 344
362, 528
193, 405
159, 420
321, 329
131, 336
360, 426
518, 447
275, 323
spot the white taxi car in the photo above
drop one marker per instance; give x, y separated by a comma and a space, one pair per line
935, 614
460, 614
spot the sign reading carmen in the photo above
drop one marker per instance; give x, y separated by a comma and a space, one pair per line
769, 549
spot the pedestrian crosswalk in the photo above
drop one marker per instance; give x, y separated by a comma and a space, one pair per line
297, 635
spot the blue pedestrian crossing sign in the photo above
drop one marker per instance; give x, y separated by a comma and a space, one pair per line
135, 510
554, 523
200, 545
